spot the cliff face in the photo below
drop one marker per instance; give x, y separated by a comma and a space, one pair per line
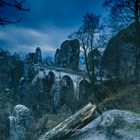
119, 57
68, 55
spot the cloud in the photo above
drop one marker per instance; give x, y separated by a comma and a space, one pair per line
62, 13
27, 39
47, 25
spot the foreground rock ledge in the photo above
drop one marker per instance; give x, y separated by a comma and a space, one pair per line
72, 124
111, 125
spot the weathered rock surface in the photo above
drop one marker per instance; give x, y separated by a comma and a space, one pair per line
111, 125
20, 122
68, 126
68, 55
119, 57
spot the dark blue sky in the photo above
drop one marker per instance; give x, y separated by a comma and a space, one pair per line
47, 24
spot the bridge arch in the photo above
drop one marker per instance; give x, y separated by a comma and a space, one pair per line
68, 95
51, 76
84, 91
49, 80
67, 81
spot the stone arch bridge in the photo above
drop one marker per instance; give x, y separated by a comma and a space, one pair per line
75, 76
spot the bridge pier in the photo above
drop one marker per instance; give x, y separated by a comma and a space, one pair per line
76, 89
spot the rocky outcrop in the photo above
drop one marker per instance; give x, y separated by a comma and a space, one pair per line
34, 58
111, 125
119, 57
31, 60
38, 56
68, 55
66, 128
20, 122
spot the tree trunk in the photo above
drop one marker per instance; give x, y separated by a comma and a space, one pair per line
136, 12
72, 124
91, 78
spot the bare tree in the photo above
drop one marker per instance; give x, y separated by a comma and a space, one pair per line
124, 10
85, 35
104, 34
13, 4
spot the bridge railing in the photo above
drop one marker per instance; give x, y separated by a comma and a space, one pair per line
58, 69
70, 71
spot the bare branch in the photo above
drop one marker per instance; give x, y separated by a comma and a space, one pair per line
124, 10
130, 6
16, 4
5, 21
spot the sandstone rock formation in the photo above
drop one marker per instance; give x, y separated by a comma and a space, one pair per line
38, 56
20, 122
71, 124
68, 55
119, 57
34, 58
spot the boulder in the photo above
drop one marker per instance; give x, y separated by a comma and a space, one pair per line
20, 122
111, 125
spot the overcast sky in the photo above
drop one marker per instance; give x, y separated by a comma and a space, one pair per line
47, 25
